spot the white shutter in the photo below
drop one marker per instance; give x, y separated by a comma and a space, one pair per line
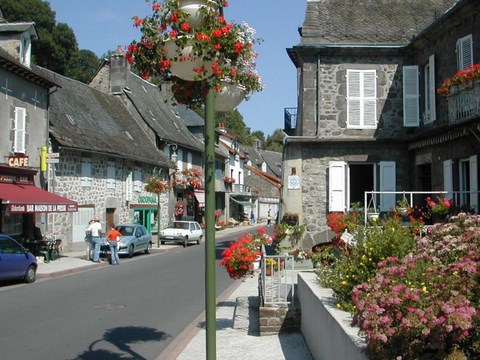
448, 178
336, 186
353, 98
464, 52
431, 88
361, 99
19, 130
473, 182
387, 183
111, 175
370, 99
86, 178
411, 111
137, 179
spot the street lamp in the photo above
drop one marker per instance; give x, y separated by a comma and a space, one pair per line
157, 173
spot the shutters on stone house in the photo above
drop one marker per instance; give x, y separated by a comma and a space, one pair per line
411, 111
361, 99
86, 178
19, 130
137, 179
111, 175
387, 183
430, 91
464, 52
336, 186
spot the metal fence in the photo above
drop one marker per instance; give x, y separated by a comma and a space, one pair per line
277, 287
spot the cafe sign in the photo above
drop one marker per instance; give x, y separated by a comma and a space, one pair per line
34, 208
18, 161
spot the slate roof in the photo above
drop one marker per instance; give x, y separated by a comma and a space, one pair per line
373, 22
86, 119
273, 159
150, 103
18, 27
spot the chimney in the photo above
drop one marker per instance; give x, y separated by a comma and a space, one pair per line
119, 70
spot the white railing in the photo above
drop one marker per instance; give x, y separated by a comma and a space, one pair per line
278, 288
465, 105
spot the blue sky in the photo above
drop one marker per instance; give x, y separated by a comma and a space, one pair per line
102, 25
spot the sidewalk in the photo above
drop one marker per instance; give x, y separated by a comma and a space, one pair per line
237, 334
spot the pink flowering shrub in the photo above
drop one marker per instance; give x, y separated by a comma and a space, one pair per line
426, 304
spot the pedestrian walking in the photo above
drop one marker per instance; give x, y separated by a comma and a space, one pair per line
113, 236
89, 241
96, 232
269, 218
252, 218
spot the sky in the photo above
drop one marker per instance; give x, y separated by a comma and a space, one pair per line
102, 25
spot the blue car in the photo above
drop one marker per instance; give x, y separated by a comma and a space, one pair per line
16, 262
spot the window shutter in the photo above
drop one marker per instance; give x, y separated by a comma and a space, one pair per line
336, 185
473, 182
137, 180
111, 175
431, 89
86, 179
19, 130
369, 99
411, 112
362, 98
353, 98
387, 183
448, 178
464, 52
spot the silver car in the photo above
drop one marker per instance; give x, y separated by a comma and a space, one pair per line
182, 232
135, 238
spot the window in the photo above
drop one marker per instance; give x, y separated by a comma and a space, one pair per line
19, 130
465, 181
111, 175
429, 74
411, 113
86, 178
464, 52
361, 99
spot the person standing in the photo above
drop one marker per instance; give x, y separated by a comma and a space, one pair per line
89, 241
96, 232
269, 218
113, 236
252, 218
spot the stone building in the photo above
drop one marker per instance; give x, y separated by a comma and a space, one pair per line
369, 117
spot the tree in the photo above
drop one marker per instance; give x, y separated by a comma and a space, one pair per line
84, 66
275, 141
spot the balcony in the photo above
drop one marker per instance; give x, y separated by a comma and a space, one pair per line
464, 105
290, 121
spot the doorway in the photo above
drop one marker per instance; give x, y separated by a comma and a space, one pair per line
361, 179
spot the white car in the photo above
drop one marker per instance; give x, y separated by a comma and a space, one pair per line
182, 232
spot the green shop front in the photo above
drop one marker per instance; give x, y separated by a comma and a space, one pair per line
145, 212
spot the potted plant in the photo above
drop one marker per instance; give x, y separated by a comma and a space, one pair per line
240, 257
189, 178
461, 78
212, 52
438, 210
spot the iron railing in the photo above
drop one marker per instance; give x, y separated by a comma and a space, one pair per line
464, 105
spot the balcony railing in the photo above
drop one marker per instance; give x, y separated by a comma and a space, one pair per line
464, 105
290, 121
240, 188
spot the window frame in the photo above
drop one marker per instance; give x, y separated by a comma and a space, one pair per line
361, 97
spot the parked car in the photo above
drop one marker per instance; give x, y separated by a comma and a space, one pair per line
16, 262
135, 238
182, 232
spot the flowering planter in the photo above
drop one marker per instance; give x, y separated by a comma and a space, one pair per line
192, 8
229, 96
184, 64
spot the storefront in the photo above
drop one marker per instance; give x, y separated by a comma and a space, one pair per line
21, 200
146, 213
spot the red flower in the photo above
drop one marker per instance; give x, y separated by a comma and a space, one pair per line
137, 22
185, 27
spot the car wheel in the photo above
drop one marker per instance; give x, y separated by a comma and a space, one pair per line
199, 240
31, 274
162, 242
130, 251
149, 248
185, 241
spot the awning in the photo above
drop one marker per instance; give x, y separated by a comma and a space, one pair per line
242, 202
200, 195
31, 199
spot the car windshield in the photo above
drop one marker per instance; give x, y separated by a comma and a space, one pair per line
180, 225
126, 230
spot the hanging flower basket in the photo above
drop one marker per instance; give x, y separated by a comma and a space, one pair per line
195, 10
229, 96
184, 63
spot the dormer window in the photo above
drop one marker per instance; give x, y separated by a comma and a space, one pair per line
25, 49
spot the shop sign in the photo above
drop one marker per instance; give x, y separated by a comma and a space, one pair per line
18, 161
147, 200
34, 208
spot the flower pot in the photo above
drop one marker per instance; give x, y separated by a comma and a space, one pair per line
185, 64
229, 96
192, 9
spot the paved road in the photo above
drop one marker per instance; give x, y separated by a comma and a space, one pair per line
131, 311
